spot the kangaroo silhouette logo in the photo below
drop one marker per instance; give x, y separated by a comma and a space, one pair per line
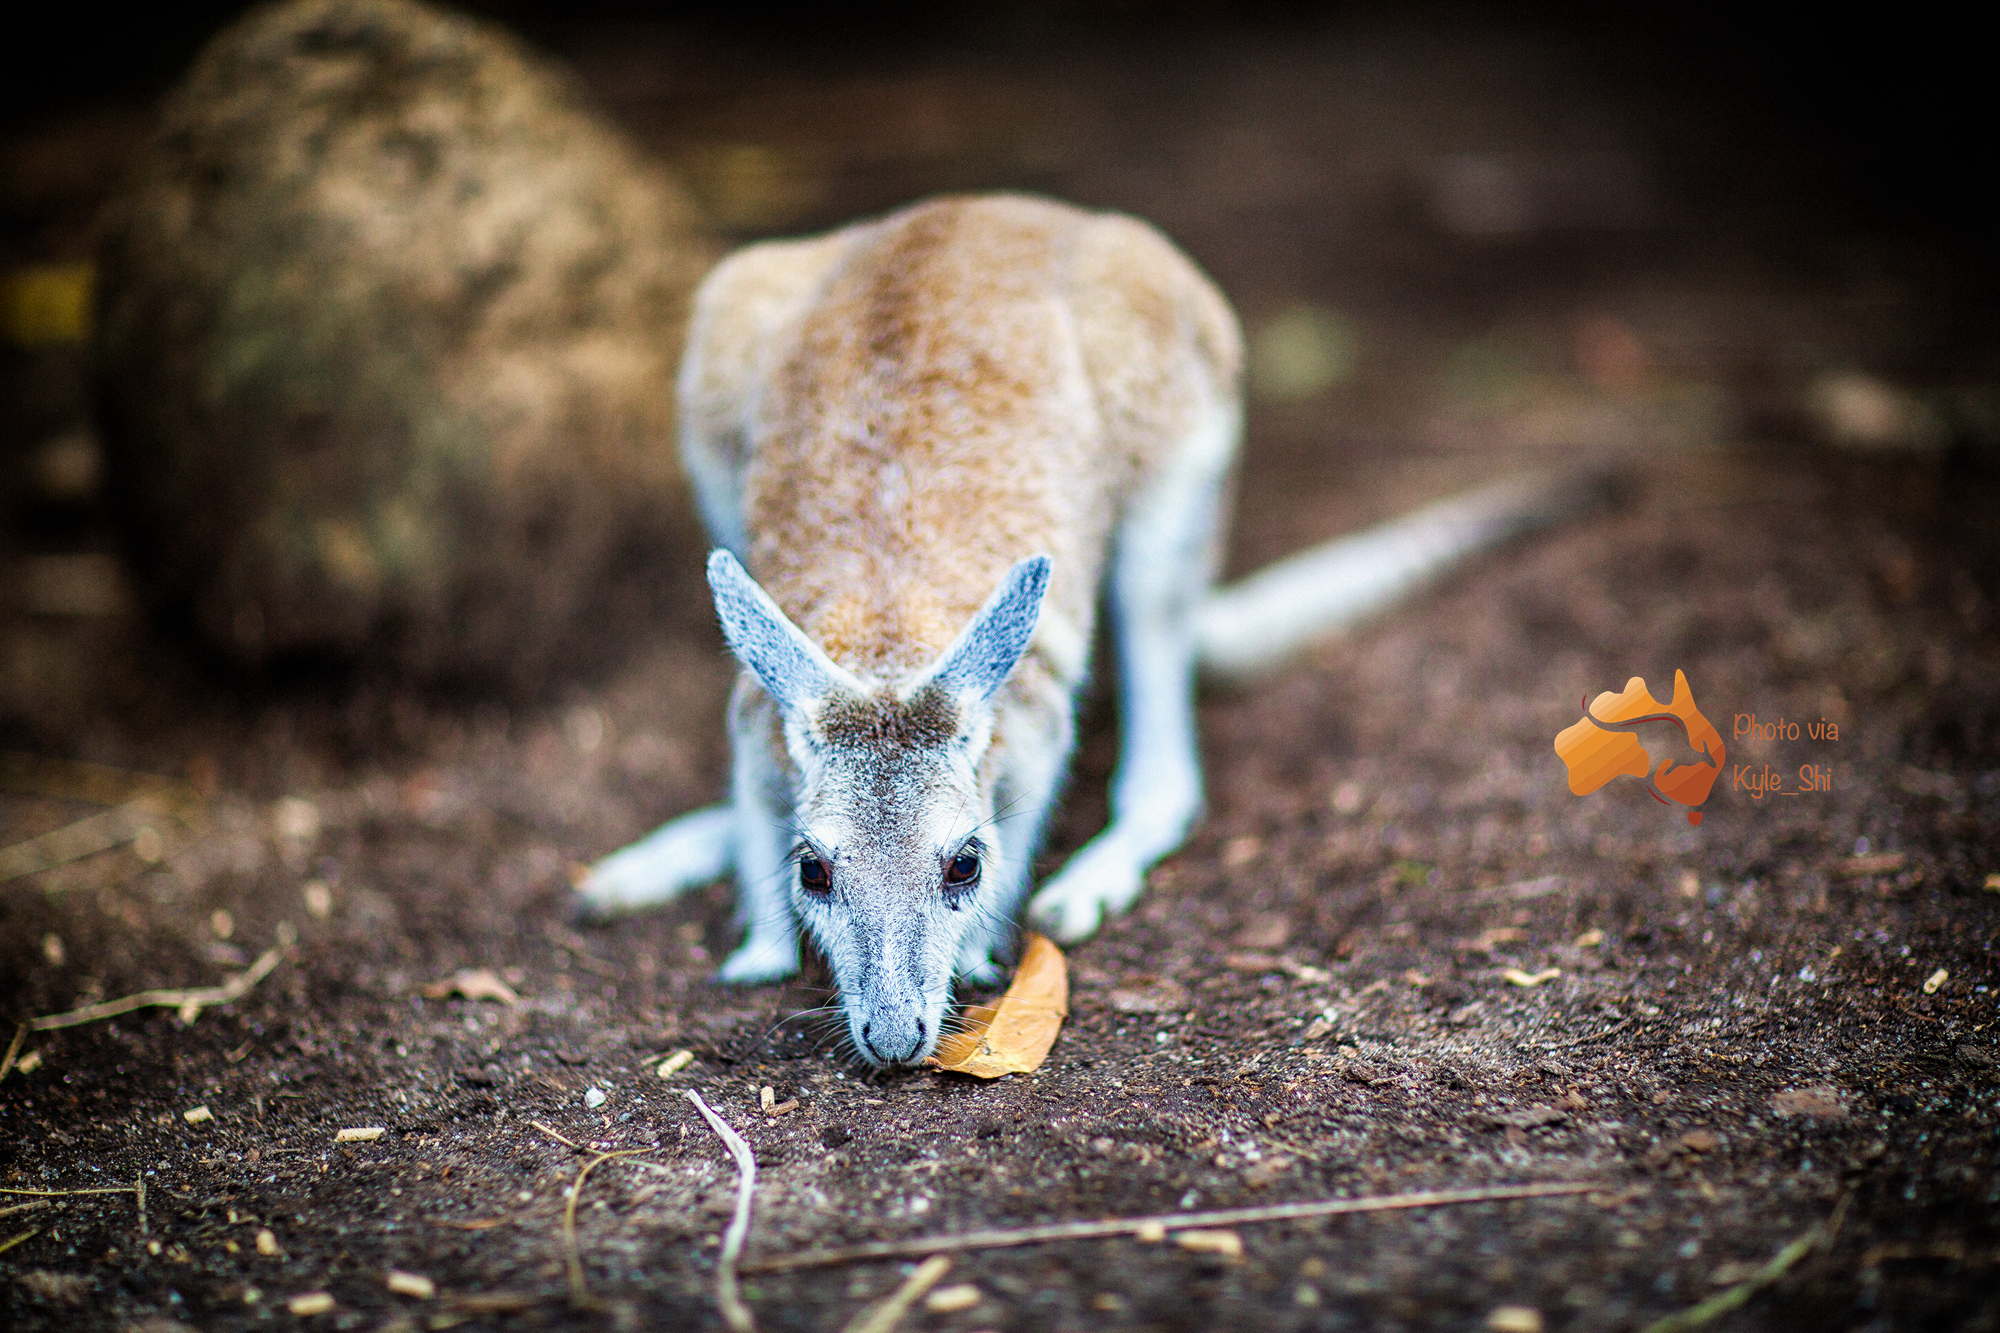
1602, 746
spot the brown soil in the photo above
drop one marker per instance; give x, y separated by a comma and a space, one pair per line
1779, 1020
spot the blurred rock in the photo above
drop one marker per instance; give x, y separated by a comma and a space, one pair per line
388, 323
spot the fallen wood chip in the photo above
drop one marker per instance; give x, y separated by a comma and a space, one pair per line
950, 1300
189, 1002
411, 1284
472, 1223
30, 1062
1531, 979
360, 1134
474, 983
1147, 1228
1819, 1102
1931, 982
1514, 1319
1881, 863
1992, 884
493, 1302
1225, 1243
1012, 1036
310, 1302
195, 1115
676, 1062
267, 1243
889, 1312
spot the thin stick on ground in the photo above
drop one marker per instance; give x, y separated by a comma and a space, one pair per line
139, 1190
734, 1312
64, 1194
12, 1241
13, 1049
1160, 1223
886, 1314
579, 1291
27, 1207
1712, 1309
190, 1001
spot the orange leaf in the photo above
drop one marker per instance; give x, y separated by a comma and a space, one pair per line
1013, 1035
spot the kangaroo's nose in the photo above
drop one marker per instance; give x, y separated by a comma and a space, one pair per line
880, 1042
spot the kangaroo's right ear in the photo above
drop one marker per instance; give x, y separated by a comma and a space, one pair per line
979, 660
793, 669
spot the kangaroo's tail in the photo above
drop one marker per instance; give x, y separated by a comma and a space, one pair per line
1253, 625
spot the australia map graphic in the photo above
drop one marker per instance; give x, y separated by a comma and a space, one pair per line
1602, 745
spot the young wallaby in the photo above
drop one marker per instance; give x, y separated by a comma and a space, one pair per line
935, 440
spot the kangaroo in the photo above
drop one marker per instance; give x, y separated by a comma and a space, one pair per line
940, 441
924, 445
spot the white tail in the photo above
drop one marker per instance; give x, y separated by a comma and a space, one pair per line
1252, 626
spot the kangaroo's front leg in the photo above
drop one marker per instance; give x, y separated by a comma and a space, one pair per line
763, 810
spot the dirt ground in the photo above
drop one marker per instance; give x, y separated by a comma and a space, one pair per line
1501, 247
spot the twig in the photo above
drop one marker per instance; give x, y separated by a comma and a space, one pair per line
1721, 1304
13, 1049
63, 1194
139, 1189
27, 1207
734, 1312
85, 837
190, 1002
1129, 1226
12, 1241
579, 1291
886, 1314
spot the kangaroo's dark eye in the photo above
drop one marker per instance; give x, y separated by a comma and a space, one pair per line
963, 870
814, 877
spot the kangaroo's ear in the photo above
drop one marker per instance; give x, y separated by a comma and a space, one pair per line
791, 667
979, 660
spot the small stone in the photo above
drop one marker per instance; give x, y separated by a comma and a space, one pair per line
833, 1136
1514, 1319
594, 1098
267, 1243
310, 1303
411, 1284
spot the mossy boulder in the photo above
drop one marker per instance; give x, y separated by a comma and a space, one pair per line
387, 329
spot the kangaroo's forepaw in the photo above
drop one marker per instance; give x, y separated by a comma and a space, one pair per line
1100, 881
695, 849
761, 959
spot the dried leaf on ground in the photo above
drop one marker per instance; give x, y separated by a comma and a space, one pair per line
474, 983
1013, 1036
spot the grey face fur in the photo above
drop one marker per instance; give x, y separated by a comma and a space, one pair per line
888, 807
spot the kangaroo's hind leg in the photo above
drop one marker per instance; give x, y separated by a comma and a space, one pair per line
1166, 556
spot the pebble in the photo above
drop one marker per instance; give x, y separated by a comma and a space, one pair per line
594, 1098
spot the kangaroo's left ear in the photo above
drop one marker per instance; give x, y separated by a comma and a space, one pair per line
980, 659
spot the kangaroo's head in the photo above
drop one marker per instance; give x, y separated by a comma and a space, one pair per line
892, 847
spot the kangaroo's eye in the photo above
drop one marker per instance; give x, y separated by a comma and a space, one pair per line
963, 870
814, 877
